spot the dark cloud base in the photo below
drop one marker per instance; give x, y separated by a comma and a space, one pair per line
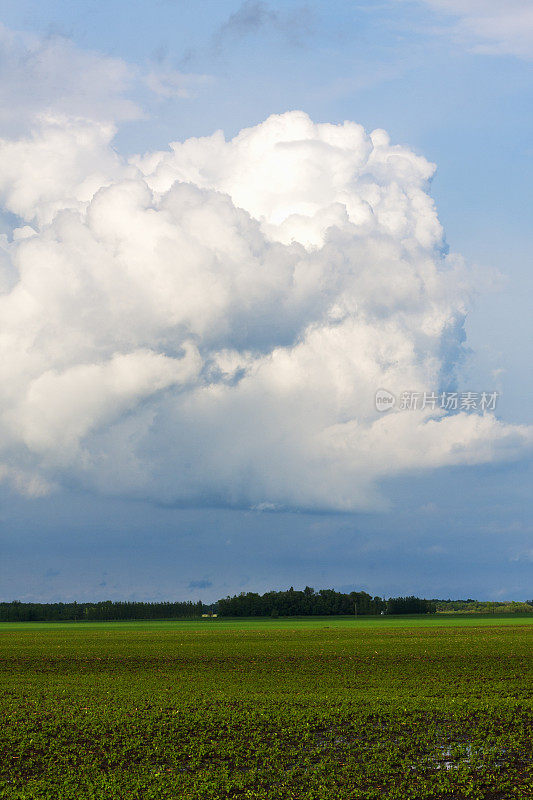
460, 533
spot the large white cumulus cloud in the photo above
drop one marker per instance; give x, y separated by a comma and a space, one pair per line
209, 324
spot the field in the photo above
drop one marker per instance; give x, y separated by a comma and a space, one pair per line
318, 709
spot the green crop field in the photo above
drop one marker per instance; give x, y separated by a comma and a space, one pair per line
320, 708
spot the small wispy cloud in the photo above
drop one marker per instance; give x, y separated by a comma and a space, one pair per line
51, 75
523, 555
250, 17
492, 27
201, 584
256, 16
169, 84
52, 573
40, 73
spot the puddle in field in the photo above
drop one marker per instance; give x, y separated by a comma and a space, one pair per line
450, 755
447, 757
445, 761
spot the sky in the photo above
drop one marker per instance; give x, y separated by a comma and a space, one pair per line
265, 289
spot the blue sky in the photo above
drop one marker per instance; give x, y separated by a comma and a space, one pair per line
201, 504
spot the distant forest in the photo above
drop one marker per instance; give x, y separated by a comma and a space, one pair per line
307, 602
98, 612
272, 604
289, 603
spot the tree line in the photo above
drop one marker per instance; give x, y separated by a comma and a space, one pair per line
291, 602
485, 606
325, 602
99, 612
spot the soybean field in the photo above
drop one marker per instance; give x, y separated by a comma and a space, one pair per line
288, 709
